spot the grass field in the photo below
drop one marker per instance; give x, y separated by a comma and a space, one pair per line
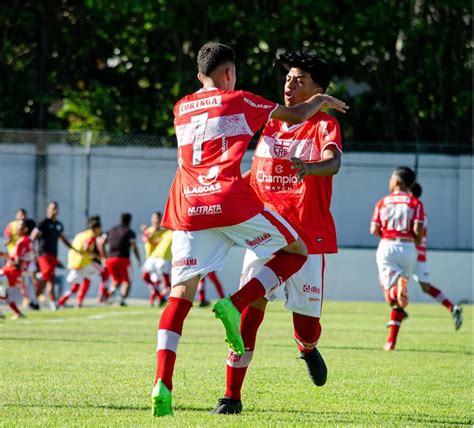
94, 367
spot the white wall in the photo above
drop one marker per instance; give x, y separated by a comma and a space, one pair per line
137, 180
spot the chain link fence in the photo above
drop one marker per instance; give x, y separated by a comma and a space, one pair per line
98, 173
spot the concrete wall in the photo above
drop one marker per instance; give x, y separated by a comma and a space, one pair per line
137, 180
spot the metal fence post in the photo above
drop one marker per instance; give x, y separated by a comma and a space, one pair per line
41, 175
88, 153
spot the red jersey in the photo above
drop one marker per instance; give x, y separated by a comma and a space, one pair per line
396, 215
423, 244
305, 204
23, 252
213, 129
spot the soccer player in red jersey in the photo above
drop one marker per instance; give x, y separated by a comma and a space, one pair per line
291, 173
422, 273
210, 206
17, 263
47, 233
120, 239
398, 220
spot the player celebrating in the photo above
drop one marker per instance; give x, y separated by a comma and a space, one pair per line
47, 233
398, 220
81, 264
210, 207
17, 262
151, 237
120, 239
303, 197
422, 274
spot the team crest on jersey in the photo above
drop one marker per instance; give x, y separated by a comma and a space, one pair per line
281, 148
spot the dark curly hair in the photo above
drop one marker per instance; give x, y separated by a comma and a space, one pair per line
416, 190
320, 70
212, 55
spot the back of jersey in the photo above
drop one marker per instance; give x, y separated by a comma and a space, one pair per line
214, 129
396, 215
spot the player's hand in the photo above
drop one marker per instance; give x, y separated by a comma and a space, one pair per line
327, 101
143, 227
301, 167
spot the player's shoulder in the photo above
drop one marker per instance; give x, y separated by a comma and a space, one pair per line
321, 118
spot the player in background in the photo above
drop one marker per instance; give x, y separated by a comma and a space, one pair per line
422, 273
291, 173
120, 239
211, 208
212, 276
82, 264
17, 262
160, 266
47, 233
398, 221
11, 230
151, 237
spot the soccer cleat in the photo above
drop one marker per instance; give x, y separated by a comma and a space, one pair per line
456, 313
161, 400
317, 370
34, 306
402, 296
230, 317
15, 317
389, 346
204, 304
227, 406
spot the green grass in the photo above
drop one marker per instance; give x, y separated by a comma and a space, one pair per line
95, 367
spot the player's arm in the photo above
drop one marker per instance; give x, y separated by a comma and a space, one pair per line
418, 232
303, 111
328, 166
101, 240
145, 235
35, 234
66, 242
375, 229
133, 244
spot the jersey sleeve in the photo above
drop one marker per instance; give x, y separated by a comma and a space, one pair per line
60, 228
376, 214
42, 227
257, 110
7, 231
329, 133
419, 212
132, 235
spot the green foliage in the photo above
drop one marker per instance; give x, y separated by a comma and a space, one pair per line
403, 66
95, 367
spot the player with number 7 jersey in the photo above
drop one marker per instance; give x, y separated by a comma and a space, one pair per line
210, 207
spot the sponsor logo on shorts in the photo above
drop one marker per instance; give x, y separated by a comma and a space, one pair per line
259, 240
186, 262
202, 190
314, 299
200, 104
314, 289
205, 210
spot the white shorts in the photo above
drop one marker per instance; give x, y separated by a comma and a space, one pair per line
87, 272
303, 291
156, 267
196, 253
395, 259
422, 273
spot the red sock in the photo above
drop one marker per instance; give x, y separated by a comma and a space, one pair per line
307, 332
83, 290
439, 296
69, 293
237, 365
167, 281
202, 290
170, 328
396, 318
271, 275
103, 291
146, 278
220, 290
